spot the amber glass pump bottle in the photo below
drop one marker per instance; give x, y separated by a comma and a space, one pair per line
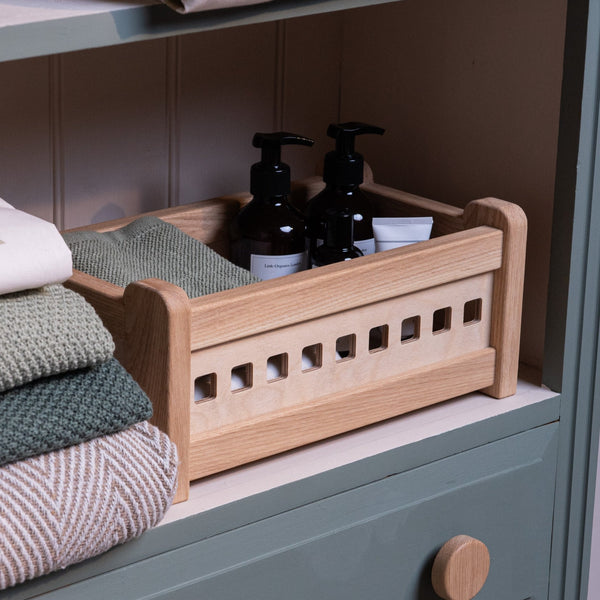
268, 236
343, 174
338, 245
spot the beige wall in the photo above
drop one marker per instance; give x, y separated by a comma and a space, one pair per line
468, 92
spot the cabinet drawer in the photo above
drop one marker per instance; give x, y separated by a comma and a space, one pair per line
374, 542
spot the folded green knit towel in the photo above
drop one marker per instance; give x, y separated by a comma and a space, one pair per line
149, 247
62, 410
47, 331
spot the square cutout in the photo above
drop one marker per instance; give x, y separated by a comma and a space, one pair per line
345, 347
378, 338
312, 357
241, 377
472, 312
205, 387
411, 329
442, 319
277, 367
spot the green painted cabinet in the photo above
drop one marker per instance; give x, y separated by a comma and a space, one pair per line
376, 541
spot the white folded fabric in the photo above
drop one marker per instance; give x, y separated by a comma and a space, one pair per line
32, 252
190, 6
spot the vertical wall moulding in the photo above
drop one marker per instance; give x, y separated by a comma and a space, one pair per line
173, 91
56, 139
279, 76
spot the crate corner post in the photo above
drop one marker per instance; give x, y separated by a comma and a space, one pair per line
157, 325
508, 287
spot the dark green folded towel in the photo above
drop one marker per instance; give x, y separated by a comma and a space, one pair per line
63, 410
149, 247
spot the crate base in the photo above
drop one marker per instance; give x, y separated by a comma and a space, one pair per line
290, 428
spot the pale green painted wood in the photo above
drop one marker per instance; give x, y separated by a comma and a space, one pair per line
294, 495
148, 22
571, 356
377, 541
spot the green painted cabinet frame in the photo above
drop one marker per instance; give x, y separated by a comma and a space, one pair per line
572, 357
571, 354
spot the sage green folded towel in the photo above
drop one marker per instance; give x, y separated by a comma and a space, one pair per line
47, 331
67, 409
149, 247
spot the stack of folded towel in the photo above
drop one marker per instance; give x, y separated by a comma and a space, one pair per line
81, 469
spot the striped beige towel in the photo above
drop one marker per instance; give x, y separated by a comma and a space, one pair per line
63, 507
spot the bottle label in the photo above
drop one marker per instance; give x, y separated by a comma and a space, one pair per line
268, 266
366, 246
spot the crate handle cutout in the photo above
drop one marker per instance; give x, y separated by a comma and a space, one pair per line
411, 329
345, 347
205, 387
277, 367
472, 312
442, 320
312, 357
378, 338
241, 377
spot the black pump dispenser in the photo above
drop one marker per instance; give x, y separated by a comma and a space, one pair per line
270, 176
268, 235
344, 166
343, 174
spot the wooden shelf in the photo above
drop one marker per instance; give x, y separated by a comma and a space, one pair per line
32, 28
459, 419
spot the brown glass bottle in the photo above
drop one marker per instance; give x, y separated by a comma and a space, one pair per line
338, 243
268, 236
343, 174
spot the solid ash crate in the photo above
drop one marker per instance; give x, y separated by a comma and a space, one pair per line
386, 334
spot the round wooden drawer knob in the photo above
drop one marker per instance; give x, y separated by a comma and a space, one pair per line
460, 568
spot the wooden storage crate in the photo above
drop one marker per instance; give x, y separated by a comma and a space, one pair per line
460, 292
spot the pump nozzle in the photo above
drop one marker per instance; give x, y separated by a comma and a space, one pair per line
344, 166
271, 177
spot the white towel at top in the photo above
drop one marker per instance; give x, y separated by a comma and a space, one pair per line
32, 252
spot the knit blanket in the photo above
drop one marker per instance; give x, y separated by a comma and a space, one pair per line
47, 331
149, 247
69, 505
63, 410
